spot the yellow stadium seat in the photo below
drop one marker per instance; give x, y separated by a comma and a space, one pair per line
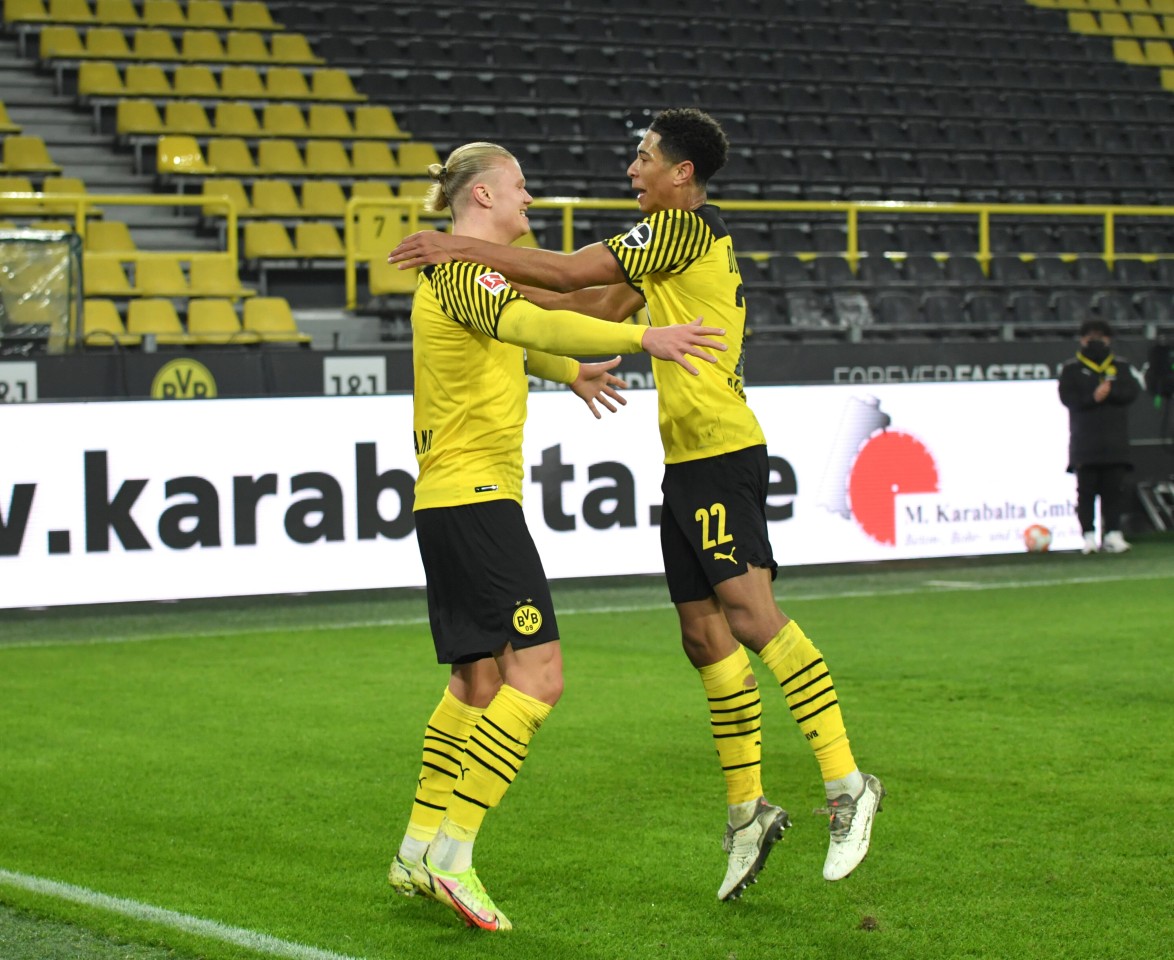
116, 12
62, 43
23, 154
379, 229
275, 198
6, 123
235, 119
384, 279
104, 277
64, 185
137, 117
283, 120
329, 120
156, 316
415, 158
323, 198
377, 122
265, 240
318, 241
202, 46
207, 13
214, 321
371, 189
195, 80
292, 48
246, 47
327, 158
286, 83
1158, 53
242, 82
414, 189
23, 11
179, 153
1128, 50
217, 277
280, 157
70, 11
226, 187
186, 116
20, 208
333, 85
372, 158
1145, 25
272, 320
1082, 21
107, 43
109, 236
99, 80
147, 80
231, 155
152, 43
102, 326
251, 15
1114, 24
163, 13
160, 277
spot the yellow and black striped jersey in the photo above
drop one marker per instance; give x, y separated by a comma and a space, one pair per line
682, 262
469, 399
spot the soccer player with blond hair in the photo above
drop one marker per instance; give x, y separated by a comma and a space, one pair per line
474, 339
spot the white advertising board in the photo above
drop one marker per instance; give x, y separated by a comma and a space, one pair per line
106, 502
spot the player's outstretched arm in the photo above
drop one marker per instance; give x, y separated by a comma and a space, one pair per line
683, 340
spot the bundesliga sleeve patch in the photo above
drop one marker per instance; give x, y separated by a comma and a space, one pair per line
639, 237
493, 282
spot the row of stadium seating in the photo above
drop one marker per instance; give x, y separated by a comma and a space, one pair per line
234, 118
207, 322
158, 46
241, 14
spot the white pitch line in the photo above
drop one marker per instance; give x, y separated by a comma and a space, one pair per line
261, 942
940, 586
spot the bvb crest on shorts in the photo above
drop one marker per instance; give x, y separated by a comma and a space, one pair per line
527, 618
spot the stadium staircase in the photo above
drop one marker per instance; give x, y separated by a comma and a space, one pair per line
293, 108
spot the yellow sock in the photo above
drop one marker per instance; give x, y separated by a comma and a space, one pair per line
811, 697
735, 717
444, 745
493, 755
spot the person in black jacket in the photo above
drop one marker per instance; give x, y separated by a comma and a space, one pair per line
1098, 387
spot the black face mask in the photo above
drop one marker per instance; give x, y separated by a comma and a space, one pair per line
1096, 350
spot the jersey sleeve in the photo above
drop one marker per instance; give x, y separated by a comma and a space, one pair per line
664, 242
472, 294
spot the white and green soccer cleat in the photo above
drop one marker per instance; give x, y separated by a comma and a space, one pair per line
748, 846
462, 892
400, 877
850, 825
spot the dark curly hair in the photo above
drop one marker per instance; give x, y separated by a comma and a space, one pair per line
689, 134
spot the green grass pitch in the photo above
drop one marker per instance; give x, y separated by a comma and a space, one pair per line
250, 763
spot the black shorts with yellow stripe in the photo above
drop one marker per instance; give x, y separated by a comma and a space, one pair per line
486, 585
713, 522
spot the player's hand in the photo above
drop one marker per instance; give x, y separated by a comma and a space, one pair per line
680, 340
596, 383
424, 248
1102, 391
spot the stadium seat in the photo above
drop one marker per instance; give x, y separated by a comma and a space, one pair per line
160, 277
280, 157
285, 83
413, 159
201, 46
245, 83
163, 13
377, 122
207, 13
156, 316
60, 43
318, 241
27, 154
245, 47
154, 44
195, 80
133, 117
231, 155
226, 187
214, 321
270, 318
234, 118
323, 199
327, 158
107, 43
216, 277
181, 154
334, 85
294, 48
275, 198
116, 12
22, 11
52, 185
99, 80
894, 308
283, 120
17, 185
104, 277
264, 240
251, 15
186, 116
386, 279
102, 326
109, 236
373, 158
147, 80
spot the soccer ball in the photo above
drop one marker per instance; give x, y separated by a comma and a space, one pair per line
1037, 538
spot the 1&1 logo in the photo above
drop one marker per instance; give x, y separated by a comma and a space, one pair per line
183, 379
870, 465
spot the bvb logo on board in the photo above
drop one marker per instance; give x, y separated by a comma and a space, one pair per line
183, 379
527, 620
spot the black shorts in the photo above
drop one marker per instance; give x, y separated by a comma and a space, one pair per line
713, 523
486, 585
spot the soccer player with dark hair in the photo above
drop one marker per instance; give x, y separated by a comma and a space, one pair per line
474, 338
679, 262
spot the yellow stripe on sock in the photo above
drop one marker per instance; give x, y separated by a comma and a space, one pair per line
735, 719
